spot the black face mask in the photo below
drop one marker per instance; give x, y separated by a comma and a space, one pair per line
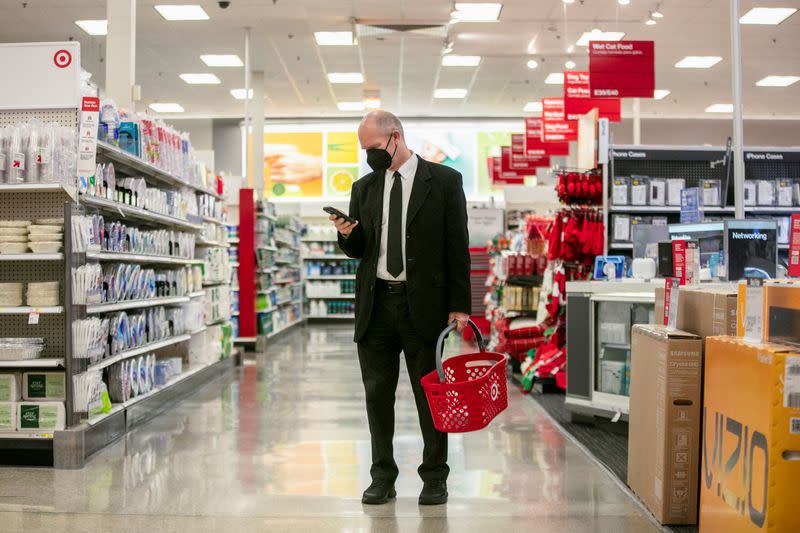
379, 159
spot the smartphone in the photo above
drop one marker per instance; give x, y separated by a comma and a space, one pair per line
335, 212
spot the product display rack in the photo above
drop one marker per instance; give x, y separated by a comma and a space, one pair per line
287, 304
328, 296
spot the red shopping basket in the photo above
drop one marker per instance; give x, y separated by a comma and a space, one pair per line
466, 391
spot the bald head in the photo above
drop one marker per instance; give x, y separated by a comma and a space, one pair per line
383, 121
383, 130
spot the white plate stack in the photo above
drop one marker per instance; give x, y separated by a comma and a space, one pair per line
46, 236
11, 294
14, 236
44, 294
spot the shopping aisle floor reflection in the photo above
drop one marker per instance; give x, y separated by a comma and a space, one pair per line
282, 445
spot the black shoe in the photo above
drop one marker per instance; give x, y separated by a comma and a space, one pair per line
433, 493
379, 493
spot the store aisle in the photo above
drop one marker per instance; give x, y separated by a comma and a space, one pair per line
283, 445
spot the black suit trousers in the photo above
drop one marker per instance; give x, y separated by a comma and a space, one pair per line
390, 331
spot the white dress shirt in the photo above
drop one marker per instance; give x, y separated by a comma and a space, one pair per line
407, 173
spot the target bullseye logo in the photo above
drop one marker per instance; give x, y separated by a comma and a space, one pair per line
62, 59
495, 391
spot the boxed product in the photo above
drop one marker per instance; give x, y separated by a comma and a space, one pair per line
780, 311
659, 221
783, 229
612, 376
49, 416
9, 387
8, 416
639, 189
712, 192
750, 196
658, 191
783, 189
622, 228
751, 437
674, 188
706, 312
620, 191
43, 385
664, 421
766, 192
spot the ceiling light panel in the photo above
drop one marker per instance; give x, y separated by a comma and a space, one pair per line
450, 93
532, 64
204, 78
767, 15
777, 81
480, 12
351, 106
239, 93
345, 77
93, 27
555, 78
166, 107
221, 60
660, 94
598, 35
182, 12
720, 108
334, 38
460, 61
698, 62
533, 107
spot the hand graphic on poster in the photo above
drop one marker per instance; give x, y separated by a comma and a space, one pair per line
288, 165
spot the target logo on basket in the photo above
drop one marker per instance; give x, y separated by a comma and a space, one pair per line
495, 391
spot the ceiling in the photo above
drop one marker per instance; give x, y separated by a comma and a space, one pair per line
405, 67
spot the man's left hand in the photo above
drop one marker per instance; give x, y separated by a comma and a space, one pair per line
461, 318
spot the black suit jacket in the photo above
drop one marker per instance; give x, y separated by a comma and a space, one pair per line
437, 247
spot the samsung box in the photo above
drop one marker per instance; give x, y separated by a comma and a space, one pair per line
664, 422
751, 438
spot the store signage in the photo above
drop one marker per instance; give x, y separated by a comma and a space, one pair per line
792, 157
692, 209
45, 75
521, 160
578, 98
87, 139
509, 166
555, 126
622, 69
794, 246
679, 260
503, 178
535, 147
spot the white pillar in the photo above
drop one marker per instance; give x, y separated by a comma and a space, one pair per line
258, 132
738, 126
247, 87
637, 121
121, 51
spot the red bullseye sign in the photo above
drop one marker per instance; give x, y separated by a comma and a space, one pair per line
62, 59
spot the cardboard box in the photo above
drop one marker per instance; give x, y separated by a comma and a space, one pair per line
664, 422
780, 311
751, 438
702, 311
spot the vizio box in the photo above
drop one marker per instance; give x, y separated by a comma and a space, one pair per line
780, 311
664, 421
750, 470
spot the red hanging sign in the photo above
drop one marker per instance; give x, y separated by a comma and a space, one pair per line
520, 157
622, 69
555, 127
502, 178
535, 147
794, 246
578, 99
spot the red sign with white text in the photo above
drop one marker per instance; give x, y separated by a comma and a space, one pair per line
535, 147
555, 127
578, 98
507, 165
503, 178
622, 69
520, 157
794, 246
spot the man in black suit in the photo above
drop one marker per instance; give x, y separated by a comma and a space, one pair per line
410, 232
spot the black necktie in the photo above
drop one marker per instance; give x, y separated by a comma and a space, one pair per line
394, 246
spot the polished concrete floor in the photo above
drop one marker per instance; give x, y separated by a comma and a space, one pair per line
282, 445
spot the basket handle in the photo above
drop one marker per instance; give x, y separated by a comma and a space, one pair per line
440, 344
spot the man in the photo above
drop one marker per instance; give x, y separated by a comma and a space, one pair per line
410, 232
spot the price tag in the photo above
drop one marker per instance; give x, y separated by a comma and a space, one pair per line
754, 311
671, 296
33, 318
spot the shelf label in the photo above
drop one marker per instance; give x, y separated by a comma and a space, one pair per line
754, 310
33, 318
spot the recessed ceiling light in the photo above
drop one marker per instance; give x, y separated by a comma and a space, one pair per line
182, 12
657, 14
698, 62
372, 102
720, 108
93, 27
532, 64
351, 106
598, 35
200, 79
570, 64
482, 12
239, 93
221, 60
345, 77
166, 107
453, 60
449, 93
334, 38
555, 78
570, 48
533, 107
767, 15
660, 94
777, 81
624, 2
650, 22
568, 1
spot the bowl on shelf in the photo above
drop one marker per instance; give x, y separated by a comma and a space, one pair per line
13, 231
45, 228
14, 223
45, 237
13, 238
14, 247
45, 247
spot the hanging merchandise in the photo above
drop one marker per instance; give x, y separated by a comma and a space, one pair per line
580, 188
577, 236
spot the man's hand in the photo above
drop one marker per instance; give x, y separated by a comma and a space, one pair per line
461, 318
342, 226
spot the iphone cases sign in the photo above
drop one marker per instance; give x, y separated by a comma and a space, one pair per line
622, 69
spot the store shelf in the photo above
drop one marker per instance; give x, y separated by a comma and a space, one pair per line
93, 420
172, 382
139, 351
284, 262
267, 217
140, 258
287, 326
198, 330
234, 264
334, 317
137, 213
663, 209
131, 165
68, 190
215, 283
244, 340
31, 257
325, 257
33, 363
311, 239
620, 246
267, 270
332, 277
218, 321
265, 311
212, 220
196, 294
26, 310
284, 281
284, 302
234, 240
20, 435
267, 248
206, 242
340, 297
783, 247
773, 209
135, 304
267, 291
